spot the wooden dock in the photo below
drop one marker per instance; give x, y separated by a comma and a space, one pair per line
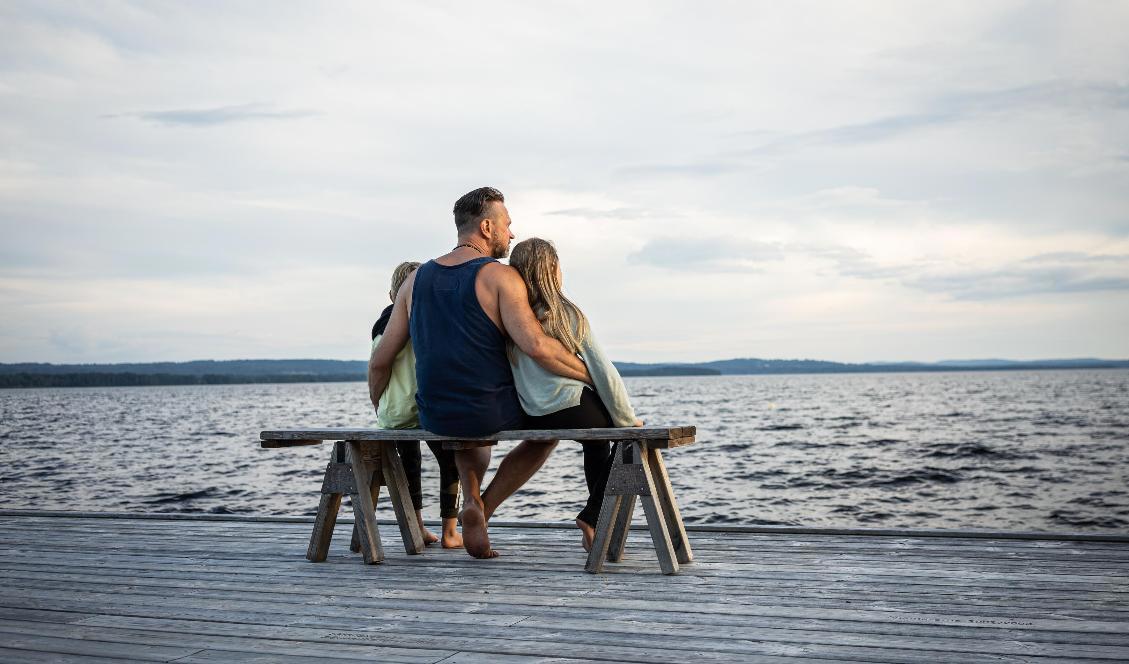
102, 588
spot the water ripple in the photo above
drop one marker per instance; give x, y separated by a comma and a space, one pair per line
1015, 450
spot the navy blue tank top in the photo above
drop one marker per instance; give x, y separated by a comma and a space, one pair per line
465, 384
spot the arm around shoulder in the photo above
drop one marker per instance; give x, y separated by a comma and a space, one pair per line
527, 334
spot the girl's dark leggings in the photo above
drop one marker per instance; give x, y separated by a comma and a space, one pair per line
448, 475
588, 414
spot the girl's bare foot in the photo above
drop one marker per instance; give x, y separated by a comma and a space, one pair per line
451, 537
588, 532
428, 536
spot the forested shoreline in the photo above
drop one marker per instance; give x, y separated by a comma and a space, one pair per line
233, 372
131, 379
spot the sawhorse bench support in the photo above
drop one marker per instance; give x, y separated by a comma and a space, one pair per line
638, 471
359, 469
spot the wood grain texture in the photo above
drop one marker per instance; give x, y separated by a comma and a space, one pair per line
78, 589
602, 541
620, 528
322, 534
666, 436
798, 534
375, 484
398, 493
656, 519
664, 495
364, 512
328, 508
293, 442
630, 478
72, 589
245, 574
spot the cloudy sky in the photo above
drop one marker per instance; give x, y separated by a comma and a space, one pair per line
844, 181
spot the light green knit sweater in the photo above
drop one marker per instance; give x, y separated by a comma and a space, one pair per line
542, 392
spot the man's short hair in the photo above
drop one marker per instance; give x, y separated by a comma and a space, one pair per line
400, 274
472, 206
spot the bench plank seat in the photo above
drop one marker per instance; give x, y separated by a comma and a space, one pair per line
365, 459
664, 437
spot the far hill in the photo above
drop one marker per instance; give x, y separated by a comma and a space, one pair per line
210, 372
632, 369
200, 367
760, 366
198, 372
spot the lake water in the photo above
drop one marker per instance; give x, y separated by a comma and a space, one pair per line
1038, 450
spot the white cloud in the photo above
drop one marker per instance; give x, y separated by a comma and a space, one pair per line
818, 174
206, 117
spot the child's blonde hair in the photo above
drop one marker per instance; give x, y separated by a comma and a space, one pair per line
537, 262
399, 275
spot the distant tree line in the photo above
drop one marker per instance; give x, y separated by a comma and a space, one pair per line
670, 371
200, 368
230, 372
128, 379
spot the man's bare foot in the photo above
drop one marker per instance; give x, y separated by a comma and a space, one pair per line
451, 537
475, 536
588, 532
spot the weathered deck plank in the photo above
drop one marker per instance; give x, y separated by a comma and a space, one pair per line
224, 590
1016, 641
949, 579
31, 632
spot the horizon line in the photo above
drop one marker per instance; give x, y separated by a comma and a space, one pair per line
661, 362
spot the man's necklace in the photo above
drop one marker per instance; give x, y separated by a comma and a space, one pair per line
470, 246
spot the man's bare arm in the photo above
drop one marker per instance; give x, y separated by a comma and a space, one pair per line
394, 339
523, 327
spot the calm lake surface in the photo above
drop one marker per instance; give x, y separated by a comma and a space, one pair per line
1032, 450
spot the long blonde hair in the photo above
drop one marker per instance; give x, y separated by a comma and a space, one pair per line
537, 262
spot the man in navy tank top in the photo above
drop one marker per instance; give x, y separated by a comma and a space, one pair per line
459, 310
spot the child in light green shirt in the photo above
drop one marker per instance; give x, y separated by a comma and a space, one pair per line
397, 410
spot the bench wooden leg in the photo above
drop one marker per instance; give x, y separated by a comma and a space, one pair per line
603, 537
335, 483
665, 495
374, 486
609, 513
364, 512
626, 510
397, 480
619, 529
323, 527
656, 519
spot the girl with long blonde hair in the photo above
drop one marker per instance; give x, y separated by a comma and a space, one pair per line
554, 402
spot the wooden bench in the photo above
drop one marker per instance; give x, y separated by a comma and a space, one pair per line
367, 458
